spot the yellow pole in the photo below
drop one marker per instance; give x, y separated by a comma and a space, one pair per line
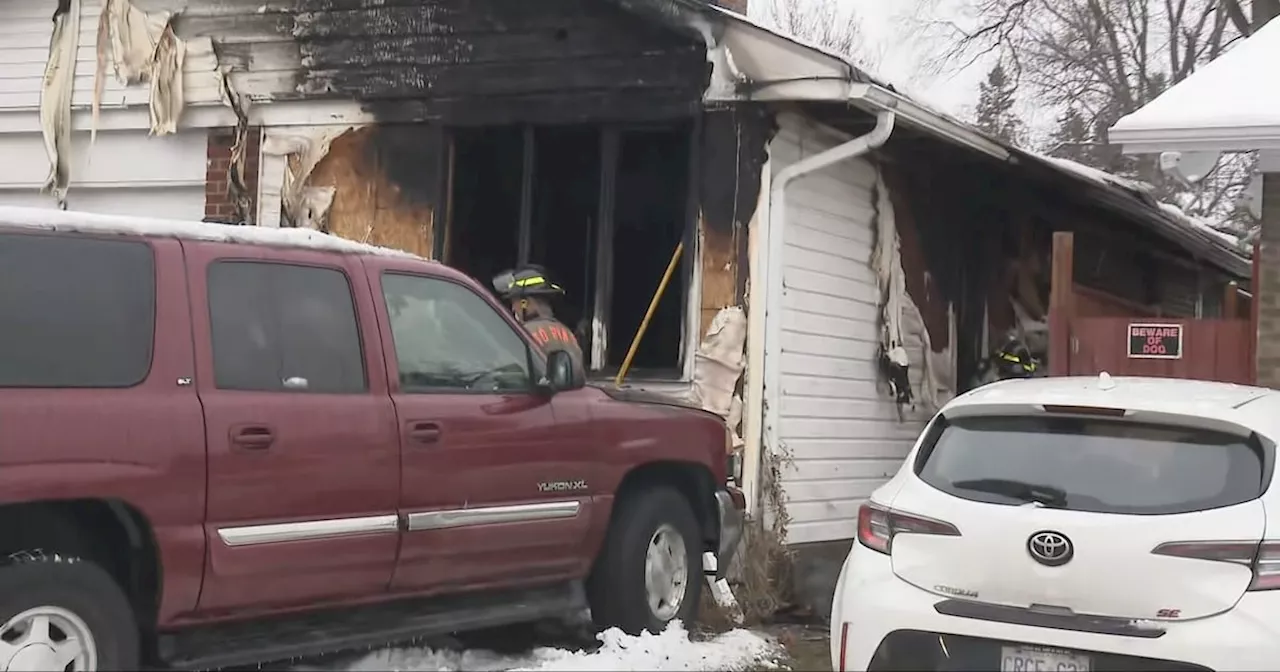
644, 324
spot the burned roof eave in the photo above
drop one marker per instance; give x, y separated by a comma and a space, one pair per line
1145, 212
1132, 206
690, 15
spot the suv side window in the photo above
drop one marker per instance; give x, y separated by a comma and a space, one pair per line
449, 339
77, 311
284, 328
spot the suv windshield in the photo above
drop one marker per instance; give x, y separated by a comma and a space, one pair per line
1089, 464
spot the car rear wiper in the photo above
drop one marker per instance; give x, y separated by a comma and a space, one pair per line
1046, 495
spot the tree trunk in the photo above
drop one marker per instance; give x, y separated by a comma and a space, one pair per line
1263, 11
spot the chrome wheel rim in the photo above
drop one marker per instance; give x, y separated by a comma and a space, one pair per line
666, 572
47, 639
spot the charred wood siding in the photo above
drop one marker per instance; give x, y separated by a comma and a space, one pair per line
460, 61
734, 147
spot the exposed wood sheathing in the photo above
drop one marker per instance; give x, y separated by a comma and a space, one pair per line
719, 259
366, 169
733, 150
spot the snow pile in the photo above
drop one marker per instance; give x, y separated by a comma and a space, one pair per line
670, 650
1094, 174
85, 222
1226, 238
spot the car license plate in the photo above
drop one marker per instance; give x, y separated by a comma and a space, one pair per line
1030, 659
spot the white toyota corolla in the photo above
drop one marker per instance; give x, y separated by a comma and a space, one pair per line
1073, 524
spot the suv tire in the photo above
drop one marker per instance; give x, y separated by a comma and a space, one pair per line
640, 563
76, 598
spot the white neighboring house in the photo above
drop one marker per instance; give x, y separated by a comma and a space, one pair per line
1232, 104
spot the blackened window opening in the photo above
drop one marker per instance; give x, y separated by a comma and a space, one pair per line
560, 192
562, 226
649, 221
484, 236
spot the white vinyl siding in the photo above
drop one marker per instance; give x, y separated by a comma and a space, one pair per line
25, 29
126, 173
836, 423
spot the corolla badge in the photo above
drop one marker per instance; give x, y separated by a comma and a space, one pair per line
562, 486
956, 592
1049, 548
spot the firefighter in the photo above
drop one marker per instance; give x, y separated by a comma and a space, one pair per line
1014, 360
529, 292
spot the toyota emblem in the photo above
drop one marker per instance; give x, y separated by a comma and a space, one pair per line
1051, 549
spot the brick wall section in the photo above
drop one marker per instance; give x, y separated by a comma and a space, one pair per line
739, 6
217, 201
1269, 290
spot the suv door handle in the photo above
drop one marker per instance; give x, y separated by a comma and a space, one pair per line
424, 432
252, 437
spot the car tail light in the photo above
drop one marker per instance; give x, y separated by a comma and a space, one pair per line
844, 645
1263, 557
878, 525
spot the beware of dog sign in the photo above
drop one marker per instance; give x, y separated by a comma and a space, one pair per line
1155, 341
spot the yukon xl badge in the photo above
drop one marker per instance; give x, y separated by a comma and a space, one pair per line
562, 486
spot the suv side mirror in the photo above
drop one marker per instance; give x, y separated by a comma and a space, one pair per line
561, 372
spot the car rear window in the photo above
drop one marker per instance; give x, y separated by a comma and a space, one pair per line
1089, 464
75, 311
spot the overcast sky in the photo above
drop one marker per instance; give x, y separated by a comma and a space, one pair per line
903, 56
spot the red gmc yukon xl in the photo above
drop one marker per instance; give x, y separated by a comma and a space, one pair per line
222, 445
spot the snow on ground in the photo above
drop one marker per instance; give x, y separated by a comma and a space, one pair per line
671, 650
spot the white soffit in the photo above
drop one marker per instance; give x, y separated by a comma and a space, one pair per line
763, 55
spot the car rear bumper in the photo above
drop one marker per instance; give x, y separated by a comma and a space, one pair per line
874, 610
732, 514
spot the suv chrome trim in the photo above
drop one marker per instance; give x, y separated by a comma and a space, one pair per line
309, 530
491, 515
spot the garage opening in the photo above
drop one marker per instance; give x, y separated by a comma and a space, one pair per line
602, 208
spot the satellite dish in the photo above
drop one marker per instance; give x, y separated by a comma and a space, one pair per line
1189, 167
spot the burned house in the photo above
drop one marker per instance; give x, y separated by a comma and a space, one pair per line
830, 229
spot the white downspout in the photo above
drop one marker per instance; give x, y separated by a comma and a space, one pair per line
777, 229
757, 298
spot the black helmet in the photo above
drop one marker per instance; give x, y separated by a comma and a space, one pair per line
526, 281
1014, 360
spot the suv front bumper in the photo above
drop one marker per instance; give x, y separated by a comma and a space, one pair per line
731, 509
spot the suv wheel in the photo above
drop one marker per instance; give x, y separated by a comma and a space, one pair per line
59, 613
648, 573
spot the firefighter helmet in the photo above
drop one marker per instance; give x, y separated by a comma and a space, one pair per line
526, 281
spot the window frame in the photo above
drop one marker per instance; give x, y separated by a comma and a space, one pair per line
268, 261
600, 343
534, 360
154, 314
